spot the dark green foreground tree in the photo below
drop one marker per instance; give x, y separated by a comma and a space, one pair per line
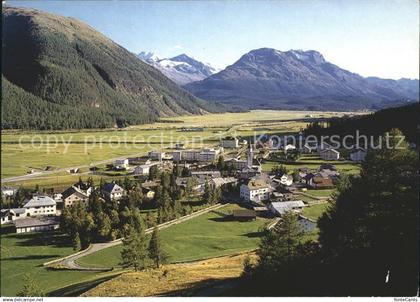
370, 236
156, 252
134, 253
368, 244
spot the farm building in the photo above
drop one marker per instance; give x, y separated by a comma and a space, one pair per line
244, 215
38, 224
10, 215
281, 207
329, 154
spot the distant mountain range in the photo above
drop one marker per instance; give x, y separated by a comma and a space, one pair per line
59, 73
181, 69
296, 79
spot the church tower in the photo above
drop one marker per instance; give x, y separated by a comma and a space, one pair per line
250, 156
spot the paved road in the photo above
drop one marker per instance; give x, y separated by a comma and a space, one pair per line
70, 261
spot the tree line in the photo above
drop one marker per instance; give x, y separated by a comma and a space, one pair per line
368, 240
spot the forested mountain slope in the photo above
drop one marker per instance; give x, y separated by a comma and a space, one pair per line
78, 78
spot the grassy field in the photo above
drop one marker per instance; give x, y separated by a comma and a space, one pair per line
315, 211
344, 168
25, 150
209, 235
25, 253
320, 193
174, 279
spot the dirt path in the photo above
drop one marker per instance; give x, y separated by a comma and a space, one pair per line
70, 261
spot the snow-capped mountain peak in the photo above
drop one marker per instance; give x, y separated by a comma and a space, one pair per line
148, 57
181, 69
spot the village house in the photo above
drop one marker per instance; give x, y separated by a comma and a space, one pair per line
329, 154
321, 182
10, 215
113, 191
40, 205
74, 195
286, 180
38, 224
256, 190
86, 188
8, 192
358, 155
142, 169
281, 207
123, 162
229, 142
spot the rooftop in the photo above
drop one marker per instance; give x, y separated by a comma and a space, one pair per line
33, 222
282, 207
38, 201
257, 184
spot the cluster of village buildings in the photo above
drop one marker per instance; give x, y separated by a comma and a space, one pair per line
257, 190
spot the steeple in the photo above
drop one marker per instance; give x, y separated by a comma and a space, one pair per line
250, 156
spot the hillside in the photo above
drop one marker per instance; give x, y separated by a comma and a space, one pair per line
61, 73
181, 69
405, 118
296, 79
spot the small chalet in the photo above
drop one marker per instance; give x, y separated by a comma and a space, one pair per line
74, 195
244, 215
329, 154
113, 191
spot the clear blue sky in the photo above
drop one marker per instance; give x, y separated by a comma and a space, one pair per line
369, 37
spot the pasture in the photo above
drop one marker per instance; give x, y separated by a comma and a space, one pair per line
25, 253
26, 150
210, 235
